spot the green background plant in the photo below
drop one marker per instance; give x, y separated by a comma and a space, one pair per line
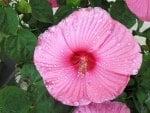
20, 25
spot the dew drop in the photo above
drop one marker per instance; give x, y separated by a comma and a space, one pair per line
66, 102
118, 44
54, 65
100, 20
134, 60
108, 32
135, 71
67, 20
129, 43
76, 103
94, 42
96, 15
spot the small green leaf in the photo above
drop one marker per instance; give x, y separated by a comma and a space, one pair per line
140, 24
73, 3
38, 91
20, 48
10, 23
42, 10
148, 43
141, 95
29, 72
14, 100
26, 17
120, 12
2, 16
147, 102
95, 2
84, 3
24, 7
146, 33
62, 12
100, 3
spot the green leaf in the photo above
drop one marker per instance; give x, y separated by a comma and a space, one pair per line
26, 17
38, 91
1, 48
2, 3
48, 105
44, 106
122, 98
10, 23
84, 3
2, 16
100, 3
141, 95
42, 10
29, 72
147, 102
95, 2
14, 100
146, 33
62, 12
140, 24
148, 43
145, 64
20, 48
144, 80
43, 102
61, 2
120, 12
73, 3
24, 7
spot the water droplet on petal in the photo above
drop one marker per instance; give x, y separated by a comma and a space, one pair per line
135, 71
76, 103
118, 44
129, 43
134, 60
100, 20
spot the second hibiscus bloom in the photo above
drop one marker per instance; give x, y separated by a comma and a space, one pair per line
88, 57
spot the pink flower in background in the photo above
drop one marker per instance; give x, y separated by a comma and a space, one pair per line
141, 8
88, 57
54, 3
106, 107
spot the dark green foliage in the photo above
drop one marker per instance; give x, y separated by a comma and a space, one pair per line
120, 12
100, 3
14, 100
41, 10
20, 26
20, 48
8, 21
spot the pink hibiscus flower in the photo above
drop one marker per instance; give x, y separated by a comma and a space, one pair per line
54, 3
88, 57
141, 8
106, 107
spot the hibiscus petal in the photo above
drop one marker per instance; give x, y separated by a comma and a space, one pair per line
103, 85
67, 87
48, 54
120, 53
141, 8
107, 107
86, 28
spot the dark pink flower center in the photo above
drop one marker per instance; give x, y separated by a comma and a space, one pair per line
83, 61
